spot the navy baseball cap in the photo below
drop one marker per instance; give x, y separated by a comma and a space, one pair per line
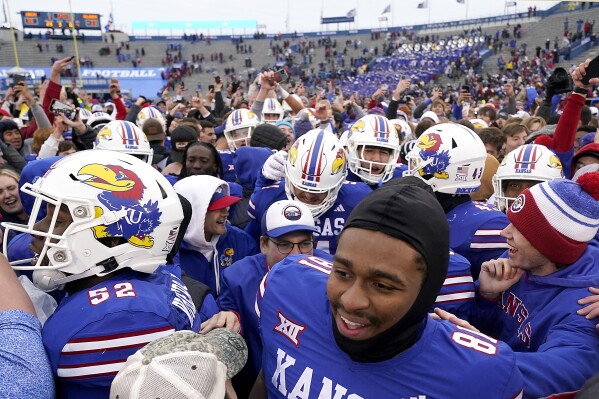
286, 216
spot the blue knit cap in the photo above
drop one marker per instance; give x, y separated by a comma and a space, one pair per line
285, 123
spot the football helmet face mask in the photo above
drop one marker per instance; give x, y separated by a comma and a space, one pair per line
239, 128
316, 164
449, 157
272, 111
530, 162
125, 137
150, 112
367, 136
98, 120
118, 220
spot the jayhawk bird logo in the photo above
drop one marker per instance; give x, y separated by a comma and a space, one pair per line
435, 162
122, 190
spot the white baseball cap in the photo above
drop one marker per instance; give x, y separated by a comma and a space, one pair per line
430, 115
182, 365
287, 216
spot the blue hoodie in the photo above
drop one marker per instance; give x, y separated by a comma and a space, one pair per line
556, 349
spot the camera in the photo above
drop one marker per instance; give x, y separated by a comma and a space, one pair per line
57, 108
559, 81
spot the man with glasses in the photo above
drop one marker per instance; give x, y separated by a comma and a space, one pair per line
287, 229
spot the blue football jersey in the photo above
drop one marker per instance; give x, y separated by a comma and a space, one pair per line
92, 332
302, 359
329, 224
228, 166
457, 294
474, 229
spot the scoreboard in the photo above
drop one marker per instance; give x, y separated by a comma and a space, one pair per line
59, 20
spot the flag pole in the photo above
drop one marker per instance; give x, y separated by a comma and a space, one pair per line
428, 4
467, 3
12, 35
73, 31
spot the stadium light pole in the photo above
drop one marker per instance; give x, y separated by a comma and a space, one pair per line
75, 43
12, 35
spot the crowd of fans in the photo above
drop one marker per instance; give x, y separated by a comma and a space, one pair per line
340, 231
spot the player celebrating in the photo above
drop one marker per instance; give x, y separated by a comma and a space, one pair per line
522, 168
390, 264
451, 158
314, 173
373, 150
104, 237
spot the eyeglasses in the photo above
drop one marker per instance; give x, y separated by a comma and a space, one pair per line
285, 247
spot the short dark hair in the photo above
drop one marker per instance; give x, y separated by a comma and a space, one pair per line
488, 111
204, 123
585, 115
65, 146
493, 136
423, 125
514, 128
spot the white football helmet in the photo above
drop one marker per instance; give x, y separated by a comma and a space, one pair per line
372, 131
531, 162
239, 128
98, 120
124, 214
125, 137
403, 129
449, 157
316, 164
479, 123
150, 112
84, 115
272, 111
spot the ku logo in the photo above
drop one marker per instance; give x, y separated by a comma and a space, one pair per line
554, 162
293, 153
121, 190
226, 259
358, 126
289, 329
339, 161
434, 159
105, 134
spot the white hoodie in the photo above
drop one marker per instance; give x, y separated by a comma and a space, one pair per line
198, 190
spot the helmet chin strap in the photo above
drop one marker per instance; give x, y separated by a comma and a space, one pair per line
49, 280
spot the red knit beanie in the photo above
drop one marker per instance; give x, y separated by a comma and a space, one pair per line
559, 217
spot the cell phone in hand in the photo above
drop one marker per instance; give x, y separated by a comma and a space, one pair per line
466, 88
210, 87
281, 75
58, 108
592, 71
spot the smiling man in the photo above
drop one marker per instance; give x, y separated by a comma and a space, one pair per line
210, 244
359, 327
373, 149
530, 300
